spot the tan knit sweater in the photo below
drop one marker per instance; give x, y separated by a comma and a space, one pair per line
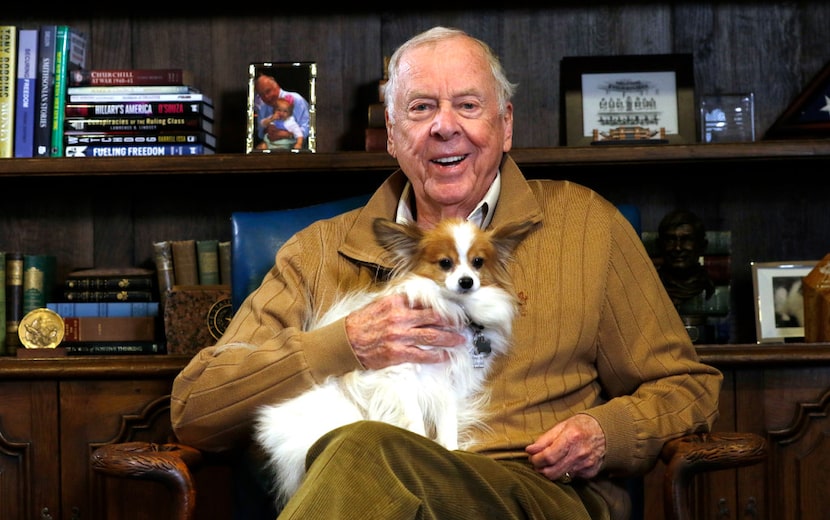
596, 333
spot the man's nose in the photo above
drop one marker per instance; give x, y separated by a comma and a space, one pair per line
445, 123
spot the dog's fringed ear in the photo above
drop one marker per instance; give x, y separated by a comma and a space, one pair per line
508, 237
399, 239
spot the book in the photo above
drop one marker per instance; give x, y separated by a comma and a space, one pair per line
38, 280
8, 82
375, 139
134, 89
139, 123
45, 90
138, 98
106, 328
113, 77
163, 260
97, 279
207, 261
104, 309
185, 262
2, 303
137, 150
110, 348
377, 115
108, 296
14, 299
26, 93
70, 54
225, 262
140, 108
72, 138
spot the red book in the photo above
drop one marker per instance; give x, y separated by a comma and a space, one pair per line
95, 328
113, 77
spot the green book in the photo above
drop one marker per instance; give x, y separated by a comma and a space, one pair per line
207, 258
2, 303
38, 281
70, 54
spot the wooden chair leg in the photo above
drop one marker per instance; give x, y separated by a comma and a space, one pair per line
691, 454
169, 464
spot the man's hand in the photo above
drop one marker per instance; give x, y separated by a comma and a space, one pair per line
574, 448
388, 331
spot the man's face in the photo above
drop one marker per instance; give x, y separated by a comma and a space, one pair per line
268, 90
448, 135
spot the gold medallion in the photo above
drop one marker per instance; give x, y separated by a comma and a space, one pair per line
41, 328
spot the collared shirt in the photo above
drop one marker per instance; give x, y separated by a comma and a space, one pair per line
482, 215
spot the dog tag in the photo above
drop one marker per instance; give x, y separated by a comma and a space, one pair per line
482, 344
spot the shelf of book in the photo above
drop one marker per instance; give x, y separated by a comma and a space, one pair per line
221, 164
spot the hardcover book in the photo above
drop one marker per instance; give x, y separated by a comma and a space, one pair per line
104, 309
136, 279
163, 260
3, 303
38, 280
225, 262
137, 150
112, 348
108, 296
72, 138
70, 54
100, 328
114, 77
26, 96
8, 82
134, 89
145, 108
139, 123
45, 90
207, 257
185, 262
14, 299
138, 98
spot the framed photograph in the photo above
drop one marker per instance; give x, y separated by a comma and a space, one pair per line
779, 301
629, 99
282, 104
808, 116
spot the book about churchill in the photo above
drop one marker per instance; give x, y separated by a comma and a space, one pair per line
114, 77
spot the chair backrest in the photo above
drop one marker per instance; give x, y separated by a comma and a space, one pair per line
257, 235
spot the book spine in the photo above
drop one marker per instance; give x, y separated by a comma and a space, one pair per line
133, 89
101, 348
24, 110
138, 123
185, 262
38, 281
375, 140
59, 95
14, 300
109, 283
138, 98
45, 90
98, 328
8, 82
207, 257
72, 138
124, 77
3, 303
225, 262
163, 259
145, 108
108, 296
376, 115
104, 309
137, 150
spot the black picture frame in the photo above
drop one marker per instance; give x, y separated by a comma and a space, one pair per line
667, 116
808, 116
296, 78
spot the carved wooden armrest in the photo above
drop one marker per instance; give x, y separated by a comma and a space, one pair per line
691, 454
169, 464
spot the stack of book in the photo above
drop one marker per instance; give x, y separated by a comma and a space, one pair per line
189, 262
127, 284
135, 113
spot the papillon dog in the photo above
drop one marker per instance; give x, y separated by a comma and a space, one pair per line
458, 270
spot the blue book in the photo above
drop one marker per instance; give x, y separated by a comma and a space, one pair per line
104, 309
45, 90
137, 150
26, 93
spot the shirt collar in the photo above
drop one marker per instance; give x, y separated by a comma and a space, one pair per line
482, 215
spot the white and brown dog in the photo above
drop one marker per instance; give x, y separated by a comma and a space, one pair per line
456, 269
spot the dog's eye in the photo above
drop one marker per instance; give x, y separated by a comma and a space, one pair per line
445, 263
478, 262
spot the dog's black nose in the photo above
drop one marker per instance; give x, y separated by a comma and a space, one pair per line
466, 283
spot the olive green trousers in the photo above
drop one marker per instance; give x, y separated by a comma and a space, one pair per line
374, 471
